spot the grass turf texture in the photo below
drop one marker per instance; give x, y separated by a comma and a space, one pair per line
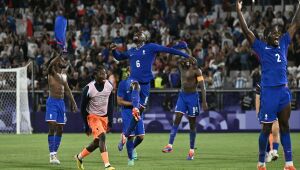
216, 151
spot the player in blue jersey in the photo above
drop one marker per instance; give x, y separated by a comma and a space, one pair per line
141, 59
273, 143
55, 106
136, 136
188, 103
275, 96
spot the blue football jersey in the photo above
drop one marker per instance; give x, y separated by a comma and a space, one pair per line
124, 90
141, 60
273, 61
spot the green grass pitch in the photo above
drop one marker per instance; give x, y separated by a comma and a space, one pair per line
216, 151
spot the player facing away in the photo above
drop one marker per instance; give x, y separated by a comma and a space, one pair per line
55, 106
273, 143
275, 96
141, 60
95, 103
188, 103
137, 136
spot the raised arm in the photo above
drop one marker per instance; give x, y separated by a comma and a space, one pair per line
53, 61
247, 32
295, 25
159, 48
117, 55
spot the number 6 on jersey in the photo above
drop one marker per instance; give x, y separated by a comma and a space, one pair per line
137, 63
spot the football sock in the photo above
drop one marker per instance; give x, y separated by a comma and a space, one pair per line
173, 134
275, 146
287, 146
51, 143
268, 147
135, 96
129, 146
57, 140
263, 142
192, 139
138, 140
83, 153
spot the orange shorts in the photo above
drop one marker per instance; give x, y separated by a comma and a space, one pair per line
98, 124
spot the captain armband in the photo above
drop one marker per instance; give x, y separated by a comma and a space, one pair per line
200, 78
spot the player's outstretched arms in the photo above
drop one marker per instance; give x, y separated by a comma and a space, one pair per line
118, 55
159, 48
247, 32
295, 25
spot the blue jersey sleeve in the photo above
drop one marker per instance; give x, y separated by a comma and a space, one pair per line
285, 40
159, 48
121, 89
120, 56
258, 47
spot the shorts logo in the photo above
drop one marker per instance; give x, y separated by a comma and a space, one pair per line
50, 116
266, 116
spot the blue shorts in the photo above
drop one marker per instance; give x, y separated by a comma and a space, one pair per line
55, 111
126, 117
144, 91
188, 103
272, 101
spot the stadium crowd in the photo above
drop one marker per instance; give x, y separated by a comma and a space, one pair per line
210, 28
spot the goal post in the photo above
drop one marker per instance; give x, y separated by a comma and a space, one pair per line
14, 105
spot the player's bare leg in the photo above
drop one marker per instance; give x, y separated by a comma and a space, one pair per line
283, 119
169, 147
85, 152
193, 131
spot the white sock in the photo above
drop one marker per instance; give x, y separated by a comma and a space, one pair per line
170, 145
192, 150
80, 156
261, 164
107, 164
52, 153
290, 163
275, 151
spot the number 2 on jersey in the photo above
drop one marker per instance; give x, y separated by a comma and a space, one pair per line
137, 63
278, 58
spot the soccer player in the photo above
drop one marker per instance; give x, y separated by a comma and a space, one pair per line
141, 59
95, 103
137, 136
275, 96
55, 106
188, 103
273, 144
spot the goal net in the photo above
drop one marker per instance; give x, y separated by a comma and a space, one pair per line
14, 107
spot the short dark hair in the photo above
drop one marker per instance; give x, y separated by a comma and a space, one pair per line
98, 68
